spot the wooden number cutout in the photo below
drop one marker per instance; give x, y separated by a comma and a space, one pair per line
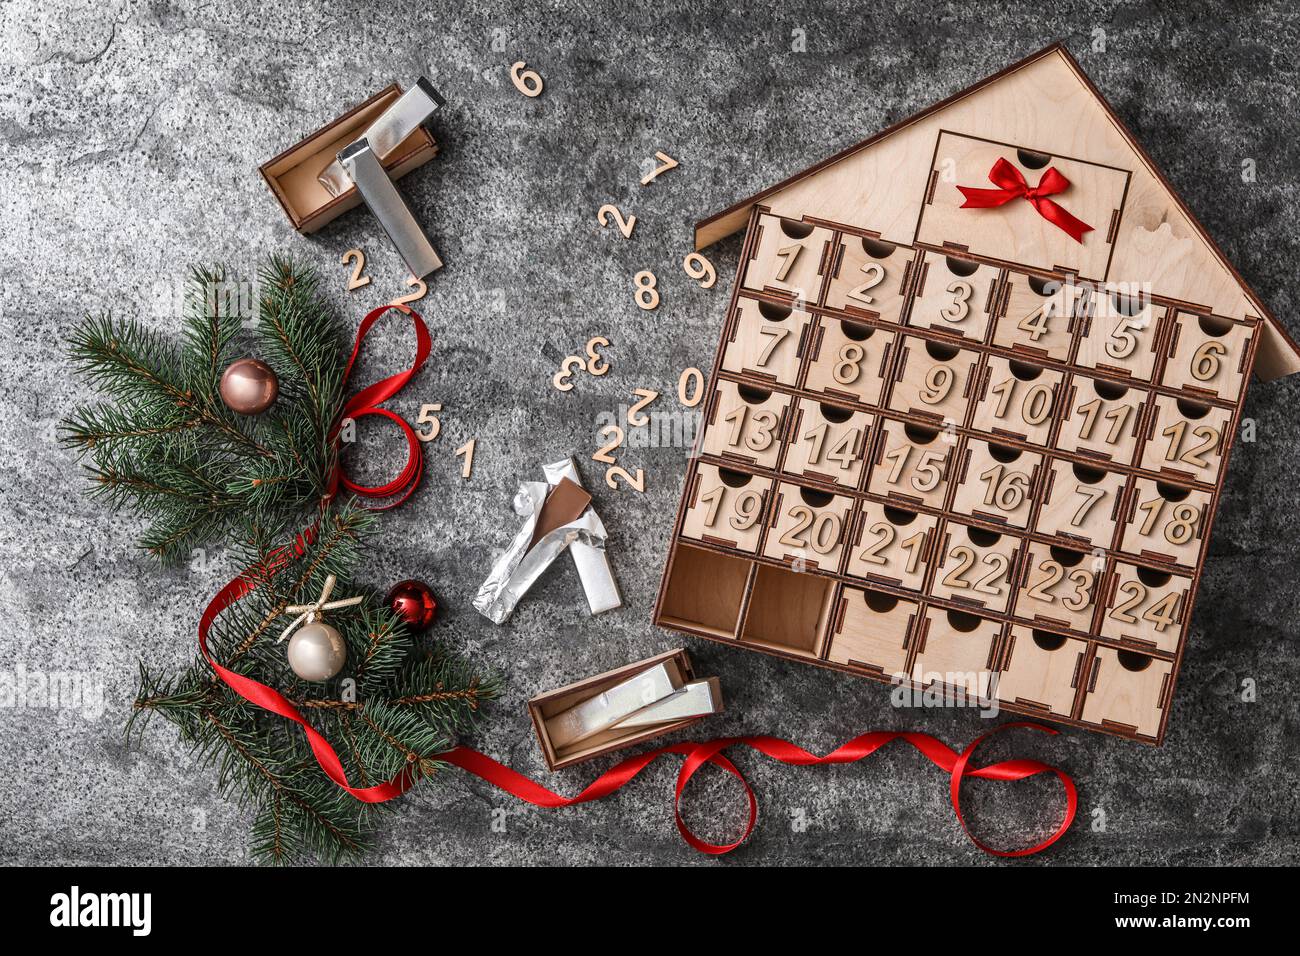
420, 291
666, 163
358, 260
603, 455
608, 211
698, 267
614, 472
467, 450
645, 396
427, 417
875, 274
690, 387
647, 297
563, 379
597, 364
526, 81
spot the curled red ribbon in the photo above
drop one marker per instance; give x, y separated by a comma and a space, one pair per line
365, 402
1012, 185
957, 766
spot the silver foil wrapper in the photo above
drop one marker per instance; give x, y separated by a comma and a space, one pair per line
387, 133
520, 566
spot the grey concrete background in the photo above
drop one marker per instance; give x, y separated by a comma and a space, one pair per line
130, 134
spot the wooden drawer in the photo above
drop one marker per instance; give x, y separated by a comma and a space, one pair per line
1166, 523
767, 341
1208, 354
957, 650
1145, 606
1102, 419
1037, 316
1185, 439
997, 482
1122, 335
892, 545
1127, 691
850, 360
726, 507
954, 296
809, 527
934, 379
788, 259
746, 423
870, 278
911, 463
1059, 587
976, 566
1081, 503
828, 443
1041, 669
873, 631
1018, 399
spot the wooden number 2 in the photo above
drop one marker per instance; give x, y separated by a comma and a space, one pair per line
875, 274
614, 472
358, 260
608, 211
966, 558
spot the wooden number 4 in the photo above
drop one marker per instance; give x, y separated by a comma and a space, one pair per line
1161, 613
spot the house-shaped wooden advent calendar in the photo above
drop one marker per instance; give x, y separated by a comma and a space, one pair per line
971, 412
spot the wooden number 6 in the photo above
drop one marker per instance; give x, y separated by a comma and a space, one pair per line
526, 82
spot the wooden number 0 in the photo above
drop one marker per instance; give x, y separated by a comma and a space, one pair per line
690, 387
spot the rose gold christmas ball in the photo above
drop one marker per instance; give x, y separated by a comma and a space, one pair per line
249, 387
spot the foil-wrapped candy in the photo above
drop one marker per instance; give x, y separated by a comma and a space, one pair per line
531, 553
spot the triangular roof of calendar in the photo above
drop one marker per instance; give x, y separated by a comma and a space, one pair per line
1021, 104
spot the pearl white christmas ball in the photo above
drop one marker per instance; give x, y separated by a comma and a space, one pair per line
317, 652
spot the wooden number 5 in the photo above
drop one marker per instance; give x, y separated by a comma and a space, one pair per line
427, 417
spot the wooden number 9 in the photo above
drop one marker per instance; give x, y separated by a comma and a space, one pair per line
698, 267
938, 383
748, 507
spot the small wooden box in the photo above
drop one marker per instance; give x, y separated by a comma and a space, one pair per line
544, 706
292, 175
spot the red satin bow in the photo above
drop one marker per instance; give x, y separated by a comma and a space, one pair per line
1011, 185
957, 766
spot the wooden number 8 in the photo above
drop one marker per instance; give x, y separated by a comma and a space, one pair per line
647, 297
848, 368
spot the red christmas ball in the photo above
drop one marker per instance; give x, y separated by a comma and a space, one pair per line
413, 602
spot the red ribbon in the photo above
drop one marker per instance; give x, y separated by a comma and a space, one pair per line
366, 402
1011, 185
957, 766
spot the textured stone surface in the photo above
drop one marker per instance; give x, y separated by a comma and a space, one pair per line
130, 134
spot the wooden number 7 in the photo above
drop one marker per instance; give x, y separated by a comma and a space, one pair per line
666, 163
